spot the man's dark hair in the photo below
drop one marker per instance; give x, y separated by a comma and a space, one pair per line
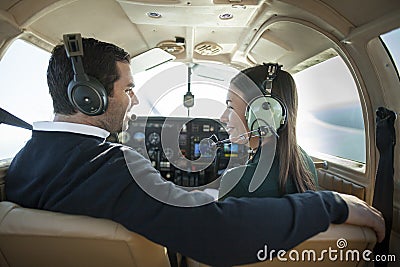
99, 61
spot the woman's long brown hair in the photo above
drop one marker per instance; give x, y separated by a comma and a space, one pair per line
291, 162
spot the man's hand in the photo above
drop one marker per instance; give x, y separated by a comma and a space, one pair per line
360, 213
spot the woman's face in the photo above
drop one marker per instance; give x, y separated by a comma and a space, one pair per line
234, 116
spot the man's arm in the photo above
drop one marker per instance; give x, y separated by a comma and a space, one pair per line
230, 232
360, 213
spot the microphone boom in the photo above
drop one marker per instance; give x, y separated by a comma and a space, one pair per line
211, 144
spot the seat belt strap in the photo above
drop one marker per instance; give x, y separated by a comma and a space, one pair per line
384, 183
8, 118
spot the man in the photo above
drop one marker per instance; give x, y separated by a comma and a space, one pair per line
67, 166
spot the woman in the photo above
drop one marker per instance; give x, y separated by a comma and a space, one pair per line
291, 169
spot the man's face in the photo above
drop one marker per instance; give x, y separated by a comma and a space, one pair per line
121, 101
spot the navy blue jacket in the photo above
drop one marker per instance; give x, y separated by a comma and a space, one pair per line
271, 182
81, 174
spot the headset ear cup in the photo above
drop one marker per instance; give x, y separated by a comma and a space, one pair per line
89, 97
283, 118
85, 93
265, 111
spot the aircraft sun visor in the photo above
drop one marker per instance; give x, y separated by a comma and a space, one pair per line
150, 59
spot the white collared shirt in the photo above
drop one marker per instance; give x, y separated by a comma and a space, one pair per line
51, 126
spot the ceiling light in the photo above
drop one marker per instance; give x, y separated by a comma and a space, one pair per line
154, 15
225, 16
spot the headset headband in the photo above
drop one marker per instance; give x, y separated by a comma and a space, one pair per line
85, 93
74, 49
272, 72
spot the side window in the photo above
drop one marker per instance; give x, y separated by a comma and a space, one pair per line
330, 119
391, 40
24, 93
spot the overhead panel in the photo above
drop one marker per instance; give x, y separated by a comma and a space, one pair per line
189, 15
199, 22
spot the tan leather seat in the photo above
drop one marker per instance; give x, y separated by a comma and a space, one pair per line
31, 237
4, 164
356, 238
41, 238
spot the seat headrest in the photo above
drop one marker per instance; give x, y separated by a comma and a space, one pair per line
30, 237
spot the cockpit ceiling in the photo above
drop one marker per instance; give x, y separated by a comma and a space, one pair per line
6, 5
360, 12
278, 38
259, 30
187, 15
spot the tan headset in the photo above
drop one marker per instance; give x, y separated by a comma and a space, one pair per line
267, 111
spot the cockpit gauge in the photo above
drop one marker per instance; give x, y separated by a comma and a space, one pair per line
154, 138
153, 152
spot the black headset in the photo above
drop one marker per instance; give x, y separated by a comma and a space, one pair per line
85, 93
267, 111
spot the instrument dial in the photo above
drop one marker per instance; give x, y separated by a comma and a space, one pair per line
154, 138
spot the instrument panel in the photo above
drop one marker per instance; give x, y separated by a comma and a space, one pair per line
173, 147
